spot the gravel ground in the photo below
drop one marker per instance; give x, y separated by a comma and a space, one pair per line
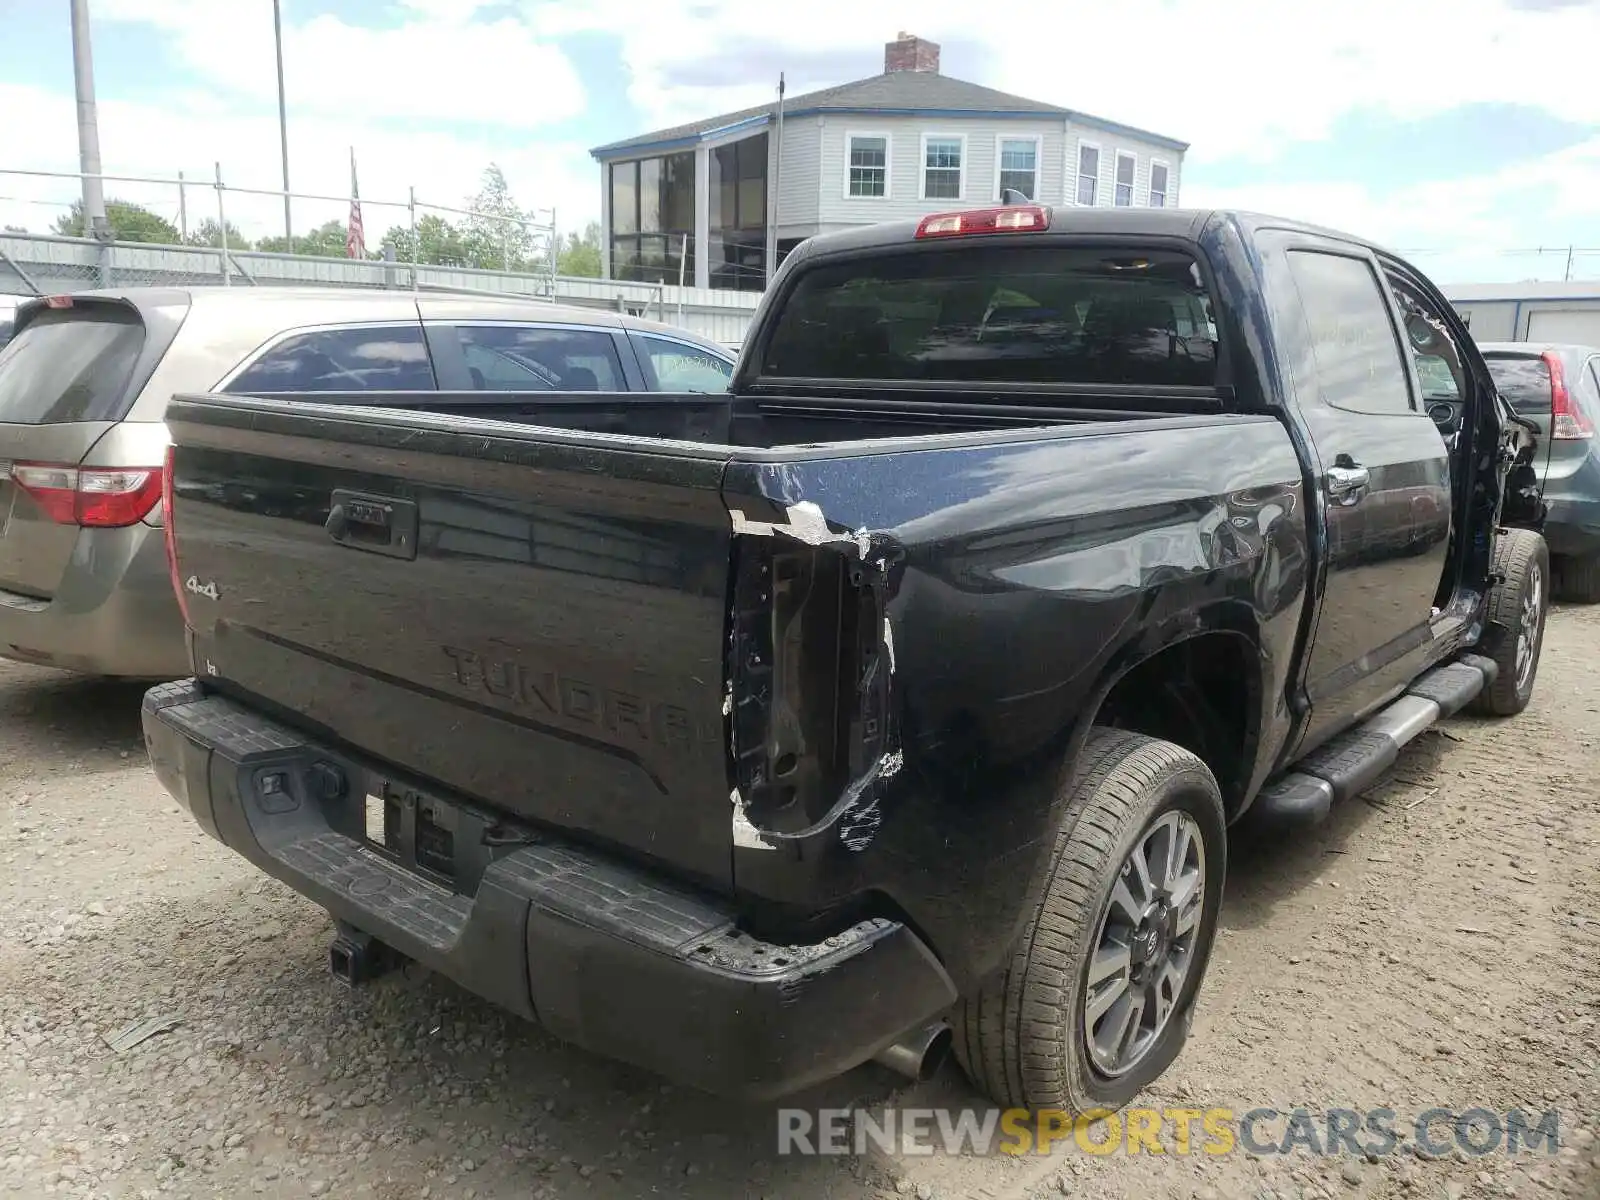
1436, 944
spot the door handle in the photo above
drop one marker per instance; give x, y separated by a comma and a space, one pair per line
1347, 480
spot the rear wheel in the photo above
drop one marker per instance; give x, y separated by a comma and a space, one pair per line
1577, 579
1095, 1001
1519, 603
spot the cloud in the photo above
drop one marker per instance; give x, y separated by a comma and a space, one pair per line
1235, 77
1484, 226
437, 67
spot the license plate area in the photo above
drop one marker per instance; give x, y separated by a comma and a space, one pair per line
445, 842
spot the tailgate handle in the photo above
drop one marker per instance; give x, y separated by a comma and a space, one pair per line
379, 524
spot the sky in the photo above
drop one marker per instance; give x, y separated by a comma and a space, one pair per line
1464, 133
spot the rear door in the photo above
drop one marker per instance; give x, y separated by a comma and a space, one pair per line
1383, 477
521, 356
68, 375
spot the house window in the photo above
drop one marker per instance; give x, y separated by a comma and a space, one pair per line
1088, 175
1158, 185
1126, 165
868, 165
737, 250
941, 167
1019, 166
652, 218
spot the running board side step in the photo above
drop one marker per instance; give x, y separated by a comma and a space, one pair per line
1352, 762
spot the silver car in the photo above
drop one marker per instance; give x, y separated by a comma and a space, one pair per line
84, 384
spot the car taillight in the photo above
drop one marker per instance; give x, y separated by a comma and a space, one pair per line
1015, 218
93, 497
1568, 423
167, 532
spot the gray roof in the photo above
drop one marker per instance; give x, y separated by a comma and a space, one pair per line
910, 92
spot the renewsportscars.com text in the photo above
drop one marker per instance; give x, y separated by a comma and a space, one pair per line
1328, 1132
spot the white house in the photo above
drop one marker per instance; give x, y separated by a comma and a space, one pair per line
902, 144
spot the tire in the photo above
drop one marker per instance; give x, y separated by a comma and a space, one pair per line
1577, 579
1519, 603
1021, 1037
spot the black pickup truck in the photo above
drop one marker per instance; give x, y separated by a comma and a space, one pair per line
899, 698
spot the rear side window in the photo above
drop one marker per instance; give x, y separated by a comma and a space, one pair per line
72, 364
387, 358
1353, 336
677, 367
549, 358
1523, 379
1000, 314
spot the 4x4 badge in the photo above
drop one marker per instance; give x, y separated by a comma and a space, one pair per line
207, 589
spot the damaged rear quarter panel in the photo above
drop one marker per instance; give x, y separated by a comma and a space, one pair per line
1014, 582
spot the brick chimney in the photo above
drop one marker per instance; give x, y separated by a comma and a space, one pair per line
911, 53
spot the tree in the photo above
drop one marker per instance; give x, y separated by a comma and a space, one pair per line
581, 255
328, 240
209, 233
129, 223
437, 243
495, 234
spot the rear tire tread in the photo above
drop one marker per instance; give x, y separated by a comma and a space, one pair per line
1011, 1032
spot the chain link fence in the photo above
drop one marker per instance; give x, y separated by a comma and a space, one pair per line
201, 219
185, 232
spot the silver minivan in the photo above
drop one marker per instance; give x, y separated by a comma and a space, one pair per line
84, 384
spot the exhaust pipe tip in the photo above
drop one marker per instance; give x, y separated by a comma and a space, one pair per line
919, 1054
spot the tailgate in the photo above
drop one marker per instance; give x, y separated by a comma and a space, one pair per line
536, 622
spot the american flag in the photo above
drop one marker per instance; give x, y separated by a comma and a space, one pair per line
355, 241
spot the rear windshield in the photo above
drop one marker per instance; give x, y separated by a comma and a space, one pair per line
1524, 380
1000, 314
70, 364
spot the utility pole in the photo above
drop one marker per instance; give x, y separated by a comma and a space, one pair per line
283, 126
777, 183
94, 200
